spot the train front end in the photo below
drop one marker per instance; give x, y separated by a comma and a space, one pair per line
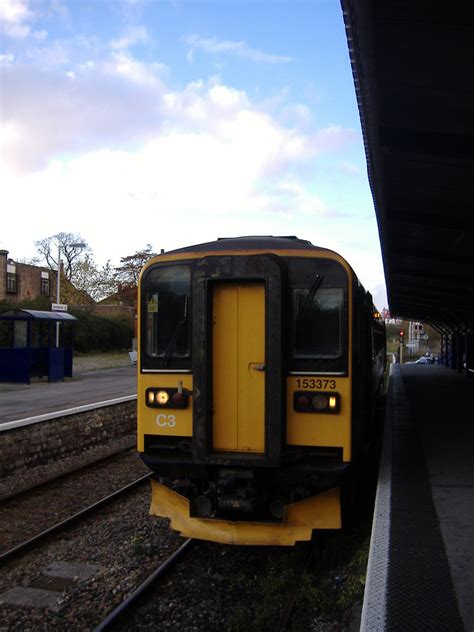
244, 389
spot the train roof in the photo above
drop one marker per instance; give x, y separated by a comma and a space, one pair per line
251, 242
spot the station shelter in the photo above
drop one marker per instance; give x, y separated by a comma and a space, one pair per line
28, 345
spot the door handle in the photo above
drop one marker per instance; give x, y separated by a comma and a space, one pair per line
257, 367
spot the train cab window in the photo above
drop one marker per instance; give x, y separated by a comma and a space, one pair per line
317, 323
166, 303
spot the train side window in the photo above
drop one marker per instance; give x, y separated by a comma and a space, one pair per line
167, 306
317, 324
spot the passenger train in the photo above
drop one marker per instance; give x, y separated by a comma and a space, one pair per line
259, 362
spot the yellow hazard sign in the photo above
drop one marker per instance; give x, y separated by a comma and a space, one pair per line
153, 304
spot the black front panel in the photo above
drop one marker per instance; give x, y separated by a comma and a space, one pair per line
266, 268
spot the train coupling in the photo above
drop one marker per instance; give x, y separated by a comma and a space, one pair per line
236, 490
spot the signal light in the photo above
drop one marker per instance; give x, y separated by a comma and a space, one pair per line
303, 402
162, 397
177, 398
314, 402
320, 401
167, 397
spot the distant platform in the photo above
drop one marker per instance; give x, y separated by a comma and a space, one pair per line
18, 401
421, 565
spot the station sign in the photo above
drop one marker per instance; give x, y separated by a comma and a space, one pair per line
58, 307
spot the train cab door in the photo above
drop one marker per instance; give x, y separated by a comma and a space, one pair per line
238, 401
238, 366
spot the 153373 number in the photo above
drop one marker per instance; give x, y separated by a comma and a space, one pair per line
319, 383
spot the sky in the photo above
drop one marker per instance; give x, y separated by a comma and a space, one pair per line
131, 122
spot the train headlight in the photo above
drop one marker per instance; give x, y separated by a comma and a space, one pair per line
160, 397
314, 402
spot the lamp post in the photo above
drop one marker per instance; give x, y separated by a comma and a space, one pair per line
58, 282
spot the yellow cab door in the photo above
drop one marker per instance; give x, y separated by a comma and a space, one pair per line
238, 366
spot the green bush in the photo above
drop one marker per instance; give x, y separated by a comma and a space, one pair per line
41, 303
91, 332
98, 333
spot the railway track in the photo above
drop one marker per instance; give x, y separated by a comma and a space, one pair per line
15, 495
21, 548
158, 573
285, 616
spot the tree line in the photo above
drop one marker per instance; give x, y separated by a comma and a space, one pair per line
81, 269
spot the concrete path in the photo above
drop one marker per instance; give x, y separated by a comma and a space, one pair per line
18, 401
442, 403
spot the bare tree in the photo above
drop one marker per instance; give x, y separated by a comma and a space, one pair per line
70, 251
128, 272
97, 282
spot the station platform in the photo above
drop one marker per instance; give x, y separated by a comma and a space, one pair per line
421, 564
19, 401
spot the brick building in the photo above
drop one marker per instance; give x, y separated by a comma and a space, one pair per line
23, 281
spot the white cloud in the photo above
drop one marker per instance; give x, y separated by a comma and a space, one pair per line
59, 115
136, 35
6, 58
40, 35
239, 48
108, 135
14, 18
124, 64
208, 164
14, 11
334, 137
186, 187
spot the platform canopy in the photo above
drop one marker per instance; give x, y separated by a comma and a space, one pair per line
35, 314
413, 67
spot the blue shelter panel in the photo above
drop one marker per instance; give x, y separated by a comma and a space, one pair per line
28, 349
56, 364
15, 365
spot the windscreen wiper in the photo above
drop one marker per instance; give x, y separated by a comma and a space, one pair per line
309, 298
172, 342
174, 337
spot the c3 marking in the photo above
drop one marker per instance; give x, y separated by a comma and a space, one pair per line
164, 421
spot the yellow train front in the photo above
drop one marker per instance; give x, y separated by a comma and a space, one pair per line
259, 360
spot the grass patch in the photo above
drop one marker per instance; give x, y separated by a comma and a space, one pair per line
96, 361
334, 583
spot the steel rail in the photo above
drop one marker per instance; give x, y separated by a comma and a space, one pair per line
287, 611
96, 463
22, 547
130, 600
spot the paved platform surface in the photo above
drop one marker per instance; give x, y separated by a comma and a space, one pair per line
423, 578
18, 401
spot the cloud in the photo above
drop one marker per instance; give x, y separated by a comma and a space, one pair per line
14, 11
6, 59
185, 187
55, 111
239, 48
335, 137
136, 35
14, 18
69, 107
192, 164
